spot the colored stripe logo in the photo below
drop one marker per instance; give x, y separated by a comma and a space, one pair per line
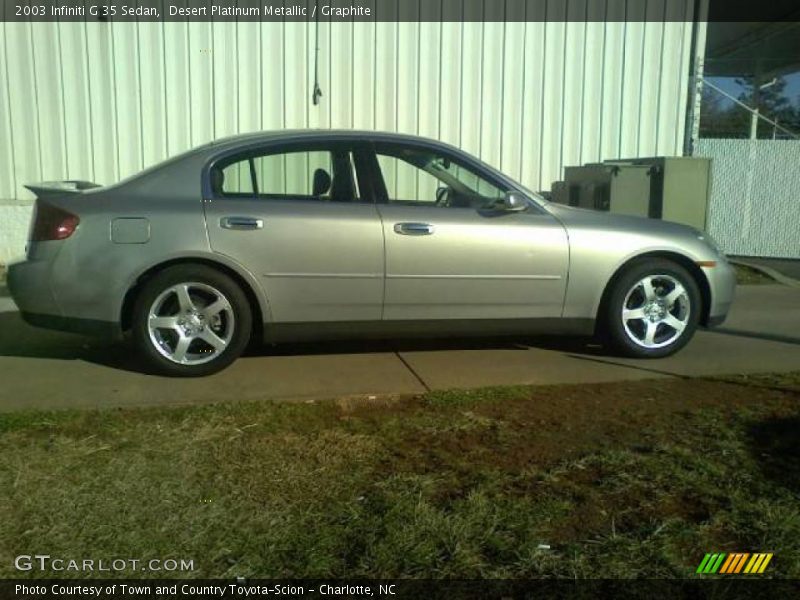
734, 563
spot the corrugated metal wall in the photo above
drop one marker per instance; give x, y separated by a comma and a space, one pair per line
99, 101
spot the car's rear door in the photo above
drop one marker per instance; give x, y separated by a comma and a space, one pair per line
296, 217
447, 257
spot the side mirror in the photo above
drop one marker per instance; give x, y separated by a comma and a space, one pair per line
513, 202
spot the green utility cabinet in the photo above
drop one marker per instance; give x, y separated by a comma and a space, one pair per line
669, 188
619, 188
680, 187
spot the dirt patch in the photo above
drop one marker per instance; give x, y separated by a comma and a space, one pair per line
562, 442
562, 422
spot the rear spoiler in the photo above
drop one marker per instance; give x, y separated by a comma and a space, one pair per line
59, 188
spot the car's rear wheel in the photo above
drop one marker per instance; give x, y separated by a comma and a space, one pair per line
190, 320
653, 309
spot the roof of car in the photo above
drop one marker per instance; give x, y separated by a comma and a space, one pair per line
300, 134
178, 167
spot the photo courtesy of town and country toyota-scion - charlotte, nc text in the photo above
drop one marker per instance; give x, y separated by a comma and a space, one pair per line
234, 590
213, 10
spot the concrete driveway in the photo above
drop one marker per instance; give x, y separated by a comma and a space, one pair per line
43, 369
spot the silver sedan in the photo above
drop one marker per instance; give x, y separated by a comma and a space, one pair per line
304, 235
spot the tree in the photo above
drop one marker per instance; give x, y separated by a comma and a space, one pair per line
721, 118
771, 101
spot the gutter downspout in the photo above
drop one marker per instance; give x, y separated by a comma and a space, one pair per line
696, 66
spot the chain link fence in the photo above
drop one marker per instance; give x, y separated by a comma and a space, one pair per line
754, 209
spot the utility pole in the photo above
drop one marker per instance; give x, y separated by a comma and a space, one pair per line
754, 117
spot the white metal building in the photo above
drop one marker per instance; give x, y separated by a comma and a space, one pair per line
100, 101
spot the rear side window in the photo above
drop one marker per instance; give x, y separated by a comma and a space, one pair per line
237, 180
292, 175
326, 175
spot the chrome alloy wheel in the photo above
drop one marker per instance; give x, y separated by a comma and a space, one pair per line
656, 311
191, 323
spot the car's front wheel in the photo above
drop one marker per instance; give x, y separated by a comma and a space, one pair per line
653, 309
190, 320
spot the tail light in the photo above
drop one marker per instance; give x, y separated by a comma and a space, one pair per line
52, 223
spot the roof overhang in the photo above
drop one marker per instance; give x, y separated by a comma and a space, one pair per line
759, 49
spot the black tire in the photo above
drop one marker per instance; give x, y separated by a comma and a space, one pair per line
614, 331
238, 316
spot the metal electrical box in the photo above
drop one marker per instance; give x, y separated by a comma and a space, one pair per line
588, 186
669, 188
681, 187
623, 189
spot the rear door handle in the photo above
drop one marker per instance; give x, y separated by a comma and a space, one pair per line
413, 228
241, 223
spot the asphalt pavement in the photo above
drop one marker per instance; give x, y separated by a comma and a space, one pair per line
50, 370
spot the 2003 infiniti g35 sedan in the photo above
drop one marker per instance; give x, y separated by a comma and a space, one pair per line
311, 234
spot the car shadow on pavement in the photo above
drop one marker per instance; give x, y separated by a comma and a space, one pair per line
773, 444
770, 337
443, 344
19, 339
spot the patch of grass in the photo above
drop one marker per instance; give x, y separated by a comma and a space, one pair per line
636, 479
477, 396
788, 381
749, 276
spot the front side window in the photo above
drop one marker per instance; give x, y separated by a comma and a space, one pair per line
421, 177
323, 175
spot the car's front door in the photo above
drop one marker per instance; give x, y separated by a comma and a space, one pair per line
297, 218
448, 256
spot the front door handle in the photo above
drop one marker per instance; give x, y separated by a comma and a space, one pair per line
413, 228
241, 223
